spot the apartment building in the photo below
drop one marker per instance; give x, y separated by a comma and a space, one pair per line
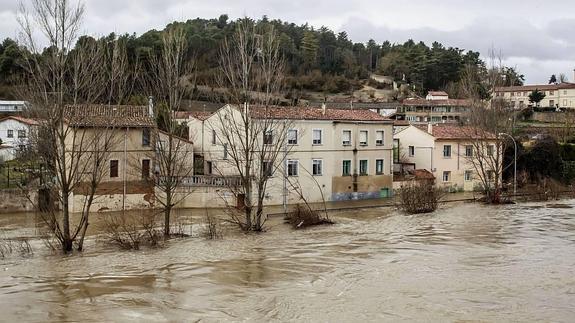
332, 154
560, 95
436, 107
445, 151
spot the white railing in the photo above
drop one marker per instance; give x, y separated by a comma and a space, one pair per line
207, 180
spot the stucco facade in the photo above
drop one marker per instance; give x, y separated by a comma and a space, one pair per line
556, 95
328, 144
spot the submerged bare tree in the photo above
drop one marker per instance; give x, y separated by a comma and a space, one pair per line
253, 136
487, 120
173, 151
57, 81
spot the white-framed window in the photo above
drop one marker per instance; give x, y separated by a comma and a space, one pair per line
317, 136
317, 167
363, 167
468, 151
446, 151
292, 137
292, 167
446, 176
468, 175
411, 151
490, 150
379, 137
10, 133
268, 137
346, 138
363, 137
346, 167
379, 166
21, 133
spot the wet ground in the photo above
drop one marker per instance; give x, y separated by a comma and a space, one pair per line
467, 262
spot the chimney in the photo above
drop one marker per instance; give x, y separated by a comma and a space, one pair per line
151, 106
430, 128
323, 108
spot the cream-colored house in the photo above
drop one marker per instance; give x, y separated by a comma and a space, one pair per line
129, 159
446, 150
560, 95
332, 154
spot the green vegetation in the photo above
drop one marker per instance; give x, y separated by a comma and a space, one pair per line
536, 96
317, 60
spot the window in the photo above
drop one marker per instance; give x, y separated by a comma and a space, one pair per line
564, 92
114, 168
411, 151
346, 138
551, 103
209, 168
145, 168
292, 167
379, 137
446, 151
446, 176
379, 166
550, 92
317, 136
317, 167
268, 137
21, 133
214, 137
363, 167
146, 137
468, 151
10, 134
490, 150
346, 168
267, 169
363, 137
564, 103
292, 137
225, 151
468, 175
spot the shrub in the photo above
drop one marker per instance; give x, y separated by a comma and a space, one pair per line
212, 229
129, 231
420, 197
302, 216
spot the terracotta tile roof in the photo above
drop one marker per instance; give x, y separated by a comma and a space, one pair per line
106, 116
445, 131
30, 122
541, 87
443, 103
308, 113
437, 93
200, 115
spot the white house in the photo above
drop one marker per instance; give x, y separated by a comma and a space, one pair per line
14, 134
436, 95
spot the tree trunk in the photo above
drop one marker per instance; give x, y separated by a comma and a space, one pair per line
167, 213
66, 240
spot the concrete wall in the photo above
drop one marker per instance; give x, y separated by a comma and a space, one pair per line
14, 200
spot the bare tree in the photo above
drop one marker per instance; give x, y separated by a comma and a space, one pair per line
174, 155
487, 120
254, 138
57, 82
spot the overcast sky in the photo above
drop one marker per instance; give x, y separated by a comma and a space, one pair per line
538, 37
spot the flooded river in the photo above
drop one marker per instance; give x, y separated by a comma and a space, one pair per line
464, 263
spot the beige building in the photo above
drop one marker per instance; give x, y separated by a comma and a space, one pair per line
334, 154
129, 161
556, 95
444, 150
436, 107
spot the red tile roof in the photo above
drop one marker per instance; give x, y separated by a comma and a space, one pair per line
308, 113
445, 131
448, 102
200, 115
108, 116
30, 122
541, 87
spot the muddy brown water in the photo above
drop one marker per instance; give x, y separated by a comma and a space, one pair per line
467, 262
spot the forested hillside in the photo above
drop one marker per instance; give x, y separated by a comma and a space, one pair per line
318, 60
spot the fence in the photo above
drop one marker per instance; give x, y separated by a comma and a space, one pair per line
18, 175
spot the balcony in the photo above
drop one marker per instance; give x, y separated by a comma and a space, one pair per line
207, 181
